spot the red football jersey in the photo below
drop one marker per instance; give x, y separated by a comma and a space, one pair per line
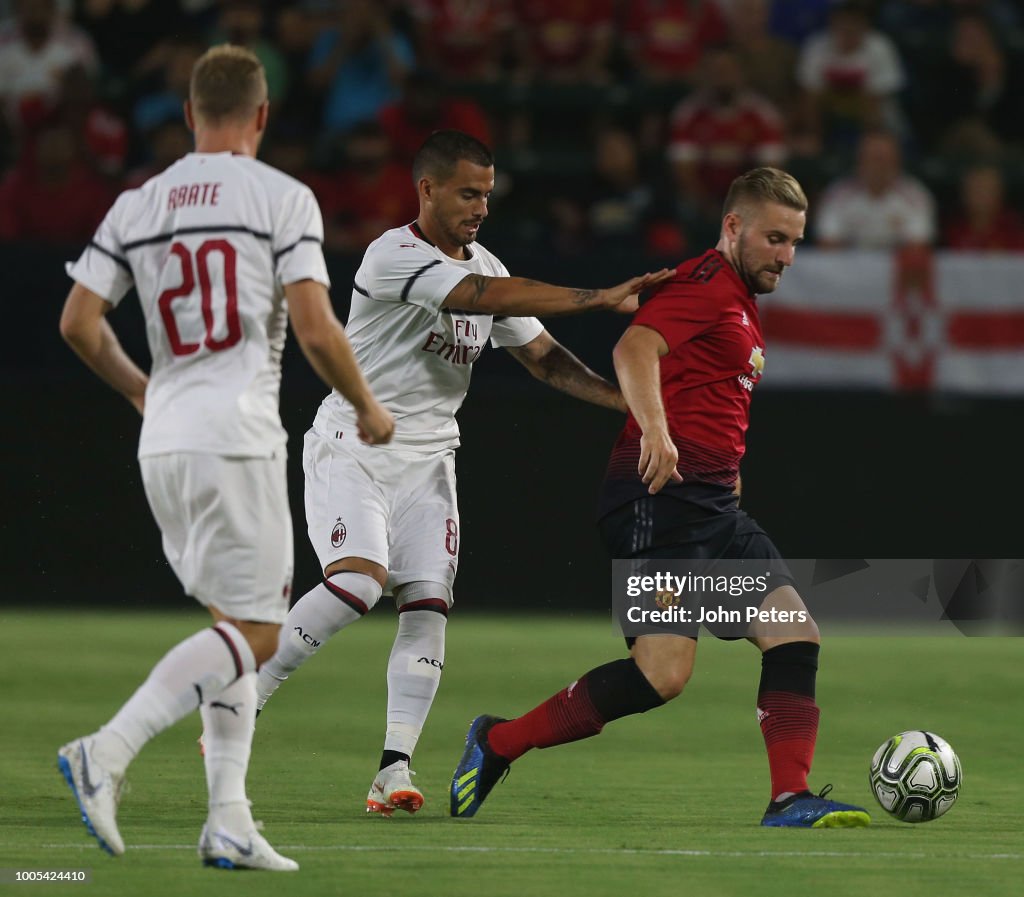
726, 141
709, 319
562, 32
1006, 233
464, 37
669, 36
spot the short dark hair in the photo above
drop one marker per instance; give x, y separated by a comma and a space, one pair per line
442, 151
761, 185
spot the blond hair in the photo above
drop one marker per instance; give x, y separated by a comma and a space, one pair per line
761, 185
228, 83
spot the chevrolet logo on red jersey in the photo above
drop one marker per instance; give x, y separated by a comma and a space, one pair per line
756, 361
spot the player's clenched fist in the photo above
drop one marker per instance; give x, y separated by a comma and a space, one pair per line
375, 424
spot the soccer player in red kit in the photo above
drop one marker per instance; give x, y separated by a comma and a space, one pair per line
687, 366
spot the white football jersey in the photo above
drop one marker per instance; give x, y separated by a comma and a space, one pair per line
209, 244
417, 356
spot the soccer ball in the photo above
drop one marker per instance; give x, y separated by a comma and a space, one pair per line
915, 776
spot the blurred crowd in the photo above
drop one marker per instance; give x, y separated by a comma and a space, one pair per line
617, 124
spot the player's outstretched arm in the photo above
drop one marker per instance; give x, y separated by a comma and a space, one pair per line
548, 360
323, 342
520, 297
636, 357
85, 328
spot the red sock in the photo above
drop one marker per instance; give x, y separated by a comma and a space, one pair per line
789, 723
567, 716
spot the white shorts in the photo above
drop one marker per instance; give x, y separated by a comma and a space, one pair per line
227, 530
395, 507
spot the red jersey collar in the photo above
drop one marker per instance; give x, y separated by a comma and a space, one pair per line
732, 272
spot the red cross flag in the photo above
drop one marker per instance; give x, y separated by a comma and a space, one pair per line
907, 321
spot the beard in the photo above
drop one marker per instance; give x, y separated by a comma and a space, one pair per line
758, 277
456, 235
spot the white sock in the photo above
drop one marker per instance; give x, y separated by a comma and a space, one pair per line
227, 742
193, 671
315, 617
414, 673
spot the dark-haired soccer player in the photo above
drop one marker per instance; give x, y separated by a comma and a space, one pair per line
687, 366
425, 301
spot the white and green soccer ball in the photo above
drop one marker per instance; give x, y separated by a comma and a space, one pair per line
915, 776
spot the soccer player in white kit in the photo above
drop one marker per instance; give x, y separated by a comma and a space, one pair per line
425, 301
222, 250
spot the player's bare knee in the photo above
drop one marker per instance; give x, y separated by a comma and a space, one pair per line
259, 636
669, 683
666, 662
262, 638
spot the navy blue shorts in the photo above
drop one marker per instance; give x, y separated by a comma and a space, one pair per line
661, 526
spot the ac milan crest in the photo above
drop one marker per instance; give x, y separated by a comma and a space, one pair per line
338, 534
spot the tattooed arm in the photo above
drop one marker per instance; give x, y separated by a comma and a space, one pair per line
519, 296
548, 360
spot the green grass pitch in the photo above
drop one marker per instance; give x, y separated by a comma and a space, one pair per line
663, 804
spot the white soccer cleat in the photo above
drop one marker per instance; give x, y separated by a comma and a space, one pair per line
393, 790
97, 791
225, 850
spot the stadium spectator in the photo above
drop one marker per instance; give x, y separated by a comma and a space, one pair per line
369, 195
245, 239
880, 206
36, 47
464, 41
664, 39
127, 33
173, 61
768, 61
54, 196
425, 107
984, 221
359, 62
716, 133
102, 135
566, 41
295, 31
620, 208
976, 92
422, 306
242, 23
688, 365
850, 75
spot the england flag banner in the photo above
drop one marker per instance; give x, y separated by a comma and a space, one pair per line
904, 321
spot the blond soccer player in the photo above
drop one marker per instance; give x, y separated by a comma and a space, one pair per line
223, 251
